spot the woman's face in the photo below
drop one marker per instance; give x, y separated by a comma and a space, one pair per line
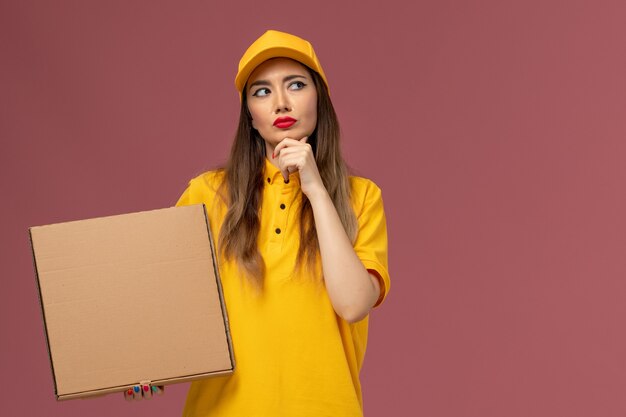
282, 100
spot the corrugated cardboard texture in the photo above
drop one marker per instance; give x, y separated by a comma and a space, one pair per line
131, 298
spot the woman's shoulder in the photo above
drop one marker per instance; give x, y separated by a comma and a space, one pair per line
363, 192
209, 179
205, 186
361, 185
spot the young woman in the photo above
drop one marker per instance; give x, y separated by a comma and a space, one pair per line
302, 246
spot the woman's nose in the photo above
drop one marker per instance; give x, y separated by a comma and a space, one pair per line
282, 103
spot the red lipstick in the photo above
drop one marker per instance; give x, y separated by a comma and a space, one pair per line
284, 122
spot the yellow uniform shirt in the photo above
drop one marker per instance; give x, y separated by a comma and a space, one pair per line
294, 356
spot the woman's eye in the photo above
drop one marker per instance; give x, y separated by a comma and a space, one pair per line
261, 92
296, 85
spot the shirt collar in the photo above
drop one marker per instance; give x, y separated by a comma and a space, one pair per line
272, 175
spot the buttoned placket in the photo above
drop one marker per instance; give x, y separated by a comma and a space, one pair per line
282, 196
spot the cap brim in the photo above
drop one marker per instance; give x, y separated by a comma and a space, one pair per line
278, 52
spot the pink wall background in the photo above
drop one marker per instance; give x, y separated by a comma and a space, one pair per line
496, 130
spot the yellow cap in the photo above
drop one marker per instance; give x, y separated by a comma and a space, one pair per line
275, 44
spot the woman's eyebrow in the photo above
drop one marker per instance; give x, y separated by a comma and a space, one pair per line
291, 77
287, 78
259, 82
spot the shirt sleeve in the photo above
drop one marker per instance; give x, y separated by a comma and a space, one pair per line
185, 198
371, 241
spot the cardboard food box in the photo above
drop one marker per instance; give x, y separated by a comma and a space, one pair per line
130, 299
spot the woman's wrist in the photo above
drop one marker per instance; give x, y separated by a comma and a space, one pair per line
317, 195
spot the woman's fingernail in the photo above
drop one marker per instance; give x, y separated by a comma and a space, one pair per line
128, 394
137, 392
147, 393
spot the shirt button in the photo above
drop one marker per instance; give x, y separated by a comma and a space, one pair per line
282, 206
268, 180
287, 181
277, 231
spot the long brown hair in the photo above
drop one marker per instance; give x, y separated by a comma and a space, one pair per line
243, 181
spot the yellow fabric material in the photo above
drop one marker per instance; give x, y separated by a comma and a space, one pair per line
294, 356
275, 44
